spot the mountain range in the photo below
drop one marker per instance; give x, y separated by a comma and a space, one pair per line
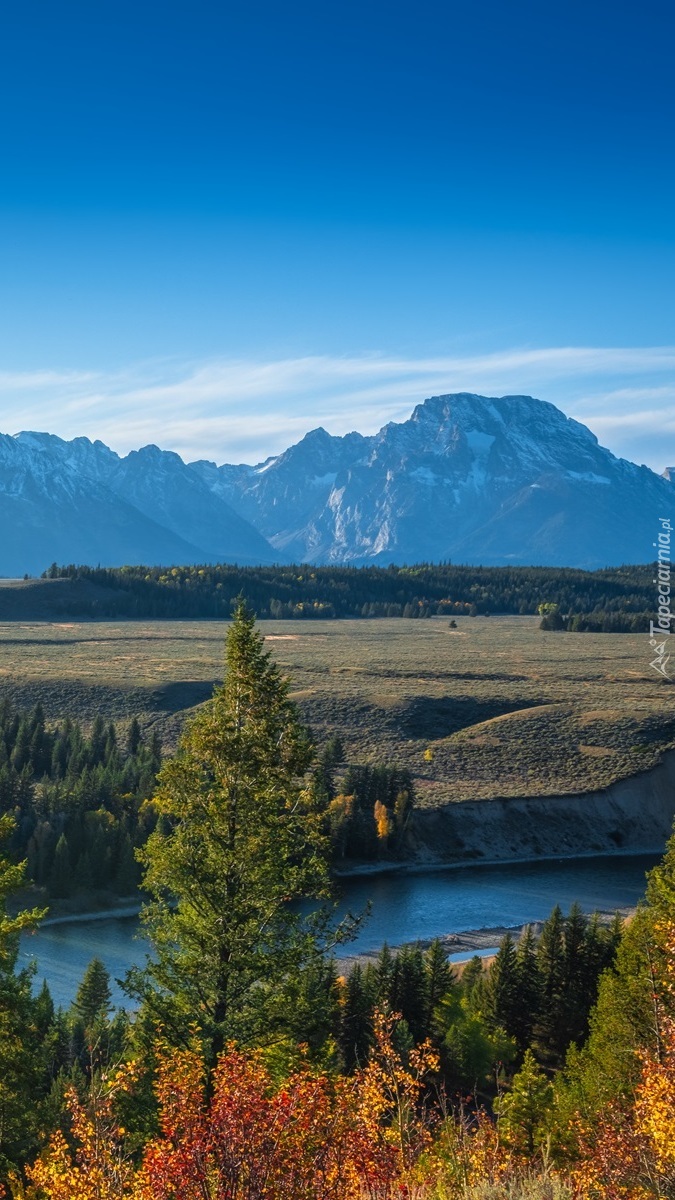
466, 478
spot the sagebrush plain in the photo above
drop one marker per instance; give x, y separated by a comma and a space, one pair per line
495, 707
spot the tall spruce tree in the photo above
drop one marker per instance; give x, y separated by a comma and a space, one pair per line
523, 1111
623, 1023
439, 980
239, 846
356, 1025
93, 995
578, 991
551, 959
499, 1000
529, 988
408, 992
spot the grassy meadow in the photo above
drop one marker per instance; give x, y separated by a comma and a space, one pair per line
495, 707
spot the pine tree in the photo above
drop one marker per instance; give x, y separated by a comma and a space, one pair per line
499, 996
408, 992
529, 988
83, 877
40, 746
242, 840
471, 1052
59, 760
356, 1026
126, 874
524, 1109
97, 742
93, 995
385, 970
622, 1024
551, 960
61, 877
133, 737
439, 979
471, 976
307, 1011
22, 747
578, 988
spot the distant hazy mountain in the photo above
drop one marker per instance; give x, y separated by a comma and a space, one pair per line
466, 478
80, 502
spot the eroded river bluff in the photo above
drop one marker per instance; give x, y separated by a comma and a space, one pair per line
634, 816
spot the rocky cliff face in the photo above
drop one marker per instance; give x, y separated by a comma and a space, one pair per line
633, 816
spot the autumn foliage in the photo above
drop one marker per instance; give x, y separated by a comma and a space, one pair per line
630, 1154
99, 1168
239, 1135
314, 1137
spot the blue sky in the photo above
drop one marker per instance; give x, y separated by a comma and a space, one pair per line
222, 224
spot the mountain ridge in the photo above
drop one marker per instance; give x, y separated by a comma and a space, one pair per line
467, 478
79, 501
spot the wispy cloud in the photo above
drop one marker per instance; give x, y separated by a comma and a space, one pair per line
243, 409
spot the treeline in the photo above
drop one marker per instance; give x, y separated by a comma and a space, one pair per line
552, 618
609, 622
306, 592
79, 802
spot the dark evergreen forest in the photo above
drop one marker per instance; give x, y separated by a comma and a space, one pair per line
80, 803
616, 599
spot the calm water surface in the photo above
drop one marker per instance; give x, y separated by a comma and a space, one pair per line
403, 908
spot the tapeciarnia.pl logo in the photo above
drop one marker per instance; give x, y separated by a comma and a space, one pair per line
660, 630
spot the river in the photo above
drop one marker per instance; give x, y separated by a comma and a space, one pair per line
404, 907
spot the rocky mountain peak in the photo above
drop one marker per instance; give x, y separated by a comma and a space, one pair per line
470, 477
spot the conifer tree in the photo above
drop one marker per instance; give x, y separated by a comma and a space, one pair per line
126, 874
575, 999
61, 878
623, 1023
529, 988
133, 737
356, 1025
499, 997
472, 976
439, 979
241, 842
471, 1053
524, 1109
97, 741
408, 992
22, 747
385, 973
551, 959
93, 995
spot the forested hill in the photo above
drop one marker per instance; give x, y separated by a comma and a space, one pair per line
613, 595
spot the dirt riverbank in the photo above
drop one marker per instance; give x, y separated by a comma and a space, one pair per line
633, 816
